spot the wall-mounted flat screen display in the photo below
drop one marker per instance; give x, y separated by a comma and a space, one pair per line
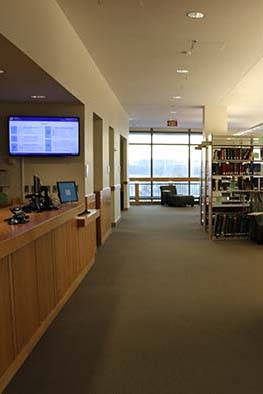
43, 135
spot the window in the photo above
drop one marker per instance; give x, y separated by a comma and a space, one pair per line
139, 161
164, 155
140, 138
195, 161
170, 138
196, 138
170, 161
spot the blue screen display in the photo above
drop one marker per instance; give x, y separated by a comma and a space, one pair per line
43, 136
67, 191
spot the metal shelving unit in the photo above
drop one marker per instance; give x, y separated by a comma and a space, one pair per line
232, 175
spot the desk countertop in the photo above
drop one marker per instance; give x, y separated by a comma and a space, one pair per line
13, 237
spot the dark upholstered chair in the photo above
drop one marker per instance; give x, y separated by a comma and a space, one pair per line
170, 197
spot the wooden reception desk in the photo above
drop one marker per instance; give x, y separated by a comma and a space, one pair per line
41, 264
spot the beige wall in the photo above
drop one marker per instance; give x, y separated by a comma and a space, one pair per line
98, 152
117, 159
114, 163
214, 119
50, 170
41, 30
88, 151
105, 156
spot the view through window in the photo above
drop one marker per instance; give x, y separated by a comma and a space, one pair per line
154, 157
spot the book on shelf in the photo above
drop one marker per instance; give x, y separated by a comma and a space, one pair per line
233, 168
234, 154
231, 224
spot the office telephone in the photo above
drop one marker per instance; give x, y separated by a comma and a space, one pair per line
19, 217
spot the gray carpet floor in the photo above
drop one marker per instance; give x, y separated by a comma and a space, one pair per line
163, 311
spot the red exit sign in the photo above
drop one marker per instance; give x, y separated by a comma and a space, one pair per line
172, 122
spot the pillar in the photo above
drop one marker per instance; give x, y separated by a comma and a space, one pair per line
214, 120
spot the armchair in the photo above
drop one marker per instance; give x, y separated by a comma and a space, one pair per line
170, 197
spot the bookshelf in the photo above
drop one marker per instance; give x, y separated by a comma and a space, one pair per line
232, 178
204, 195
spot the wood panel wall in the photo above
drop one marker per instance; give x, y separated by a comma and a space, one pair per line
90, 201
45, 275
103, 203
125, 189
25, 294
35, 282
7, 352
116, 204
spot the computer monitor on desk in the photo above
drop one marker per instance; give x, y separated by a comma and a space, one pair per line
39, 199
67, 191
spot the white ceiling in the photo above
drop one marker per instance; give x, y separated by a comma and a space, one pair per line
137, 45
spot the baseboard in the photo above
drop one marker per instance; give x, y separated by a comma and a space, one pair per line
114, 224
105, 236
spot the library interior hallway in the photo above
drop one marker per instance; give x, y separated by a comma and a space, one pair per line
163, 310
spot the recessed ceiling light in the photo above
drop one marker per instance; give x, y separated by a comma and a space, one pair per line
195, 15
177, 97
2, 71
182, 71
38, 96
172, 112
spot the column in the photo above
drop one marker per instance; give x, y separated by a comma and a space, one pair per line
214, 120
